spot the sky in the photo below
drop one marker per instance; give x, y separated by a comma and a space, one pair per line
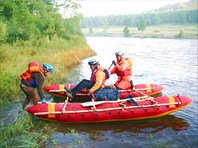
114, 7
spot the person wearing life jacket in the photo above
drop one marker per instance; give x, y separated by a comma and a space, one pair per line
33, 79
122, 68
98, 78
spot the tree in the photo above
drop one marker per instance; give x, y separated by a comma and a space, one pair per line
33, 20
180, 35
90, 30
126, 31
3, 31
142, 25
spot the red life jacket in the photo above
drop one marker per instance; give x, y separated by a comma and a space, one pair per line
126, 72
93, 75
27, 75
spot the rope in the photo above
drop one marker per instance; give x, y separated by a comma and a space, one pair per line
108, 109
149, 97
65, 105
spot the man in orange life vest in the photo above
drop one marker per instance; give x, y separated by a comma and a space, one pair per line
33, 79
98, 78
123, 70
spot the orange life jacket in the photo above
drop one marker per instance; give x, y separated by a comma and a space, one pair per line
93, 75
127, 71
27, 75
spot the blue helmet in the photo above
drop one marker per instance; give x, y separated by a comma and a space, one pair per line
119, 53
93, 62
48, 67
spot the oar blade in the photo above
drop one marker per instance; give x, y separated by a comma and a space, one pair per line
132, 101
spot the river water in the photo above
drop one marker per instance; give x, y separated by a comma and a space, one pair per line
171, 63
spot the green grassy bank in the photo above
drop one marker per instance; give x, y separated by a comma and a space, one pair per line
160, 31
34, 31
62, 54
24, 130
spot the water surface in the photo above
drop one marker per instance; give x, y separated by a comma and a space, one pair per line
171, 63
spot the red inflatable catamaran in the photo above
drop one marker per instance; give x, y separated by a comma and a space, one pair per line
138, 90
143, 107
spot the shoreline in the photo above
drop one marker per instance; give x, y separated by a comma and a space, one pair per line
156, 37
166, 31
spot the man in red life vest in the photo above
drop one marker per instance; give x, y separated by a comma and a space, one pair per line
122, 68
33, 79
99, 76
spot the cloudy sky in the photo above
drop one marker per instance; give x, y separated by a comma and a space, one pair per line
108, 7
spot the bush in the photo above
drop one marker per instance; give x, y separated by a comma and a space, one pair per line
3, 31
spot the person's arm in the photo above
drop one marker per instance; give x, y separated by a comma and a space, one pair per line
39, 79
100, 76
122, 66
113, 70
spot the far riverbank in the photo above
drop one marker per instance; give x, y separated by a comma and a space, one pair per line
188, 31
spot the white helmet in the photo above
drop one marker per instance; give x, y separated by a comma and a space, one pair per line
93, 62
119, 53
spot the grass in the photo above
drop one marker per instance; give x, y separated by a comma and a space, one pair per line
160, 31
22, 133
62, 54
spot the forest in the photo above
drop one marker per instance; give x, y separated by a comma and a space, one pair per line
172, 21
29, 21
34, 30
153, 18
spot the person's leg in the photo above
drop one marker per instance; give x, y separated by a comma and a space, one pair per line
80, 86
30, 94
124, 84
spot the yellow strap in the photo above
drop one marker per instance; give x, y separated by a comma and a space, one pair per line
171, 100
61, 87
51, 108
149, 88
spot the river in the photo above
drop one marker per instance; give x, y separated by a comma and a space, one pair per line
171, 63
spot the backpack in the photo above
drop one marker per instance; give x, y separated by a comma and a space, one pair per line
106, 94
130, 61
107, 73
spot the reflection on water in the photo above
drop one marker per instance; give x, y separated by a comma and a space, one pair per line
66, 134
140, 126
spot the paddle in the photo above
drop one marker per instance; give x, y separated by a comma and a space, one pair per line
86, 104
110, 66
132, 101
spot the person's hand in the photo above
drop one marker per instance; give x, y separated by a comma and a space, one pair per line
43, 101
113, 62
89, 94
112, 86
